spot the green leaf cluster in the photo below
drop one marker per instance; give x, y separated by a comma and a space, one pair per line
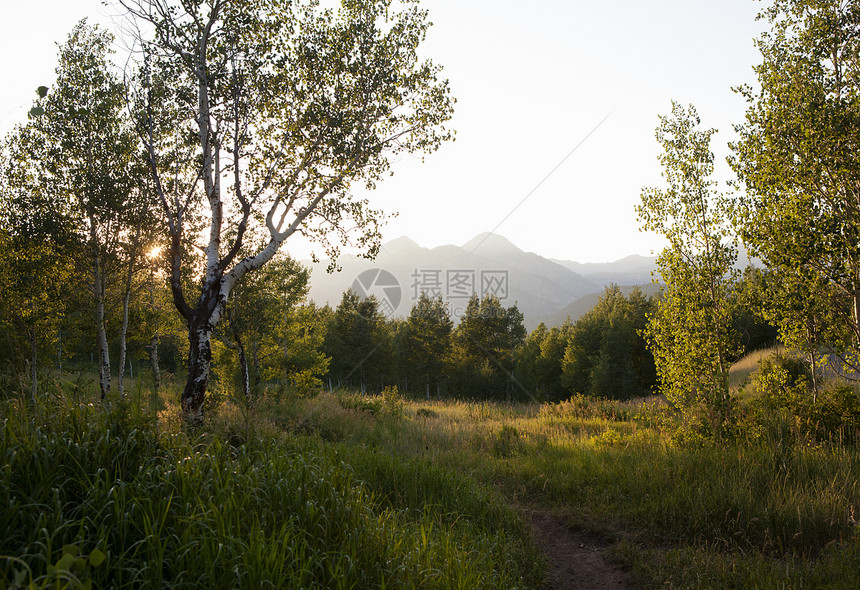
690, 333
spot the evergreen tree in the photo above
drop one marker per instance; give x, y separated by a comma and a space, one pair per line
486, 342
606, 354
359, 343
427, 342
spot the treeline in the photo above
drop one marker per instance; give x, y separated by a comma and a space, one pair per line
489, 354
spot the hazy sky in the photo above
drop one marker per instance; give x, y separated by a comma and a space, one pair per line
533, 78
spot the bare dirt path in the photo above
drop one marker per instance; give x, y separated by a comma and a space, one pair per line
577, 560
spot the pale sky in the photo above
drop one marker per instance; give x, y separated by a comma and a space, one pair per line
533, 78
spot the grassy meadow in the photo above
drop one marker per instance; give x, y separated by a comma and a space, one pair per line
342, 490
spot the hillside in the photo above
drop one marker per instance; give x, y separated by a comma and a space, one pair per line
583, 305
631, 270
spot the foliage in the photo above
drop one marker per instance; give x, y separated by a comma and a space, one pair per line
784, 406
606, 355
586, 407
751, 292
258, 117
359, 343
427, 345
33, 272
83, 151
690, 333
539, 362
269, 335
797, 158
486, 342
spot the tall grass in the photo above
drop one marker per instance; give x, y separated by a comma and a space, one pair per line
343, 490
762, 509
183, 509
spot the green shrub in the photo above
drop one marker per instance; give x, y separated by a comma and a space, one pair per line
784, 407
507, 442
362, 403
586, 407
392, 402
425, 414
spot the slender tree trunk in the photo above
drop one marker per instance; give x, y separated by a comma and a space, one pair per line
104, 354
428, 388
99, 294
814, 368
153, 360
34, 357
123, 331
856, 302
254, 377
243, 363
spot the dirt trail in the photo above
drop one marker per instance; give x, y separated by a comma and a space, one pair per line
577, 560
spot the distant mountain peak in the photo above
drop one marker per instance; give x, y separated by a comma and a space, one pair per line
490, 242
398, 245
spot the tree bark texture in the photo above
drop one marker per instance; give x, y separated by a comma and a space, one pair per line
153, 360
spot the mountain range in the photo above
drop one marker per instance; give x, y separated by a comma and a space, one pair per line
543, 289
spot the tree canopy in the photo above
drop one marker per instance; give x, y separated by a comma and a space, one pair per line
797, 158
259, 116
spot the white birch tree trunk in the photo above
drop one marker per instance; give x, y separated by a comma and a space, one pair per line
125, 303
122, 335
104, 354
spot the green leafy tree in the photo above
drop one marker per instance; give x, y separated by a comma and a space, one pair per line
263, 114
80, 150
158, 325
797, 157
302, 362
33, 274
690, 333
614, 374
427, 341
586, 336
260, 315
539, 363
486, 343
359, 343
606, 355
526, 369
